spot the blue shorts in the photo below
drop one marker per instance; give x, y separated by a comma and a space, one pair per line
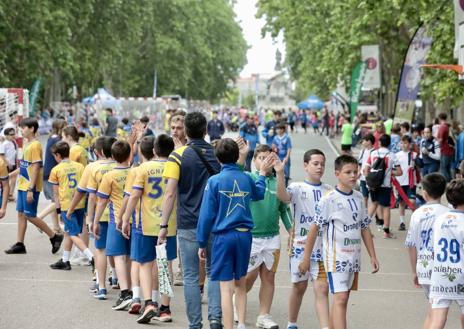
382, 196
135, 237
410, 192
230, 255
364, 189
73, 225
116, 244
29, 209
146, 248
100, 243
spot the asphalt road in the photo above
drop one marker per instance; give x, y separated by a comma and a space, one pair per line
34, 296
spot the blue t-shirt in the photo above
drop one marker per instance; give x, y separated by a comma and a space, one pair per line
250, 134
226, 202
283, 144
50, 161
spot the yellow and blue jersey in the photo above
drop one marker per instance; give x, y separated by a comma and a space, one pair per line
96, 132
66, 174
94, 179
32, 154
79, 154
127, 192
149, 179
112, 188
86, 141
3, 176
88, 171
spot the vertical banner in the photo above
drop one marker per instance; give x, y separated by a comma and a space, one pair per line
459, 33
155, 83
357, 80
34, 95
370, 55
411, 73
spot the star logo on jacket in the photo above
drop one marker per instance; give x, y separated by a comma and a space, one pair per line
236, 198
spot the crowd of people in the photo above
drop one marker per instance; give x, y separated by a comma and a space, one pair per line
145, 200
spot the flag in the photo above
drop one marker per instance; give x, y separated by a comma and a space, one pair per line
411, 75
164, 279
34, 95
357, 81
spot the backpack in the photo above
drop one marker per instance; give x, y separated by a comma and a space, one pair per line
376, 175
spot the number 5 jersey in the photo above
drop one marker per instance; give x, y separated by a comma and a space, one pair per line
448, 264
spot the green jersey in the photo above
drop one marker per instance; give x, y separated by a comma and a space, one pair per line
266, 213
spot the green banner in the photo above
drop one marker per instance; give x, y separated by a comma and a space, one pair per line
357, 81
34, 95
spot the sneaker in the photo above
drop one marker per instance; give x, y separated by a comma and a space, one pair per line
100, 295
388, 235
215, 324
114, 283
56, 242
265, 321
135, 307
17, 248
241, 326
178, 279
402, 227
147, 315
164, 315
60, 265
93, 287
79, 261
292, 327
122, 303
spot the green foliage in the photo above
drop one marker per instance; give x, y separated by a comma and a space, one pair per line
324, 39
197, 47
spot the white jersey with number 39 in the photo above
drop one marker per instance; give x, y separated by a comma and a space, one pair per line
341, 217
448, 261
304, 198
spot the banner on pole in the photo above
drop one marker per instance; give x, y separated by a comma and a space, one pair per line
34, 95
370, 55
357, 80
411, 74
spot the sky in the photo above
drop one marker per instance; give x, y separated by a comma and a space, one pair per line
261, 52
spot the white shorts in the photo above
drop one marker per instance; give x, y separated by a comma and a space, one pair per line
342, 281
265, 250
446, 303
316, 271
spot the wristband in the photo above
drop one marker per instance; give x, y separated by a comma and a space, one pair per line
58, 211
163, 226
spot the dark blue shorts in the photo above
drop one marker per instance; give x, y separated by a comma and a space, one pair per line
100, 243
382, 196
230, 255
410, 192
146, 248
364, 189
29, 209
73, 225
116, 244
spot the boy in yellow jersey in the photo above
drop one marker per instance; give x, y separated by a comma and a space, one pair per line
111, 189
64, 176
85, 136
29, 187
4, 187
149, 187
77, 153
95, 130
102, 152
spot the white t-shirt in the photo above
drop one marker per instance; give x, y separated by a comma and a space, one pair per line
390, 163
420, 236
448, 261
362, 160
403, 160
304, 197
341, 217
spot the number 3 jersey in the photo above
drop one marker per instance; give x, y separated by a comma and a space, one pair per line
420, 236
448, 264
66, 174
303, 197
341, 217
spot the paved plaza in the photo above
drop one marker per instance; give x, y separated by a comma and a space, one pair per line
34, 296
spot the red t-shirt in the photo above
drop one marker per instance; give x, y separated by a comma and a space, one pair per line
442, 136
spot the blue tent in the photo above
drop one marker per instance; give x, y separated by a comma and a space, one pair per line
315, 102
303, 105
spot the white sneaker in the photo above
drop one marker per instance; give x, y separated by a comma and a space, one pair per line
241, 326
80, 261
265, 321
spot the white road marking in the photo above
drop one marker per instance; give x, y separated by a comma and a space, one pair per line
331, 146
